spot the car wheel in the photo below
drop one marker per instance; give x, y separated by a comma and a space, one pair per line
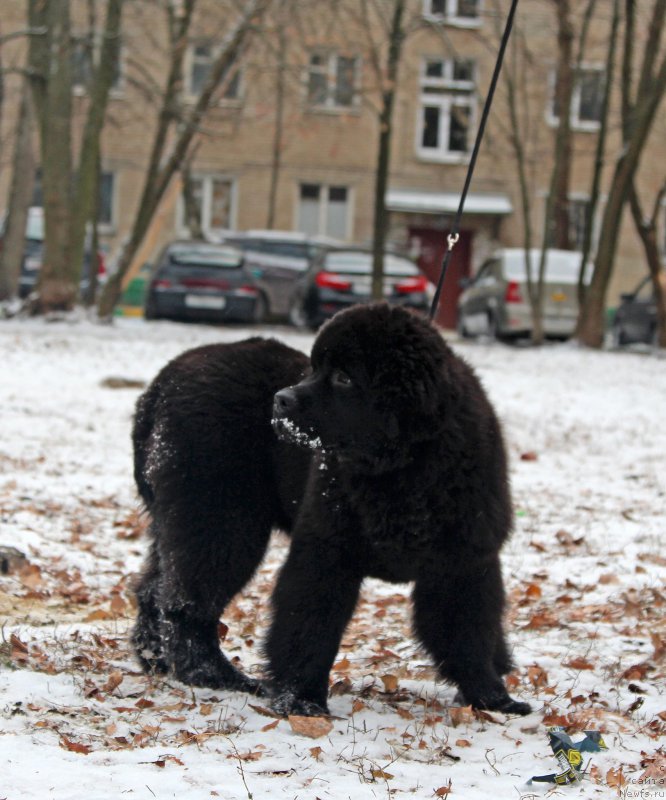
149, 312
260, 309
493, 328
297, 316
461, 327
618, 338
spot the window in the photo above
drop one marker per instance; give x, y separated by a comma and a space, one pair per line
215, 199
447, 109
332, 80
457, 12
84, 52
586, 99
202, 56
323, 210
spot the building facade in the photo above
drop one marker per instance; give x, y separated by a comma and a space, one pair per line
291, 141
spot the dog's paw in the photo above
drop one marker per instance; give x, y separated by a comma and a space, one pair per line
498, 700
511, 706
287, 703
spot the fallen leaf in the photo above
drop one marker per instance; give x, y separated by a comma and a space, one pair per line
537, 676
381, 775
99, 614
358, 705
271, 725
530, 455
615, 777
342, 666
533, 591
463, 743
313, 727
316, 752
74, 747
443, 790
390, 682
460, 714
113, 682
579, 663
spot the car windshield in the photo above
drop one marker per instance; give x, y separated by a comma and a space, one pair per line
561, 267
360, 263
278, 248
206, 256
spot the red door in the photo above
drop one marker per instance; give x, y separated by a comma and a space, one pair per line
432, 245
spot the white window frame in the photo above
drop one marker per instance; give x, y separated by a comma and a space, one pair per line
329, 70
448, 92
190, 59
451, 16
110, 225
206, 203
583, 126
323, 207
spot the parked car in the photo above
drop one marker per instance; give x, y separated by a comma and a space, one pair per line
341, 278
636, 316
277, 260
196, 280
496, 303
33, 255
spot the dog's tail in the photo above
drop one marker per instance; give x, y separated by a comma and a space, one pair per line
144, 419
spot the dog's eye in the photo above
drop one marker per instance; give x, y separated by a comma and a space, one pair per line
340, 378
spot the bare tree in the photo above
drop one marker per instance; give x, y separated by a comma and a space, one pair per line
640, 102
388, 79
50, 67
68, 202
600, 149
647, 230
164, 163
20, 195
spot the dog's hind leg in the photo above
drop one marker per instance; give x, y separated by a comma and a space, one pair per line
207, 554
147, 632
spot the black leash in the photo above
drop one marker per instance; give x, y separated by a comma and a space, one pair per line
454, 235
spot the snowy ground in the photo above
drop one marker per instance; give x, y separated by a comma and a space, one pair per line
585, 574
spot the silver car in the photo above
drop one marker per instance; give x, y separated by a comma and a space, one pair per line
496, 302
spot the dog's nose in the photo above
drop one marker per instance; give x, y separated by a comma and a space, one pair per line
285, 401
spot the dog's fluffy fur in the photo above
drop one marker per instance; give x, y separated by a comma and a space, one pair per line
388, 462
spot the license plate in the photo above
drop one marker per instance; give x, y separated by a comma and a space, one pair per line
32, 264
205, 301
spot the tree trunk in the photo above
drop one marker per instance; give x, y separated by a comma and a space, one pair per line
637, 123
647, 230
87, 182
599, 153
380, 224
278, 130
50, 62
20, 196
563, 94
158, 177
191, 204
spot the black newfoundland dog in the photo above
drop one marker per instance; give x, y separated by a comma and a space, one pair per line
388, 462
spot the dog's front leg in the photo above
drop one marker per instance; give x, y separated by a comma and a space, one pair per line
314, 598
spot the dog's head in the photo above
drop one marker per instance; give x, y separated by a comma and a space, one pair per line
375, 388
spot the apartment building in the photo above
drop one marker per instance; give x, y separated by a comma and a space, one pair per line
291, 141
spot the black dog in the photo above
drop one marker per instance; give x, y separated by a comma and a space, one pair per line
401, 475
